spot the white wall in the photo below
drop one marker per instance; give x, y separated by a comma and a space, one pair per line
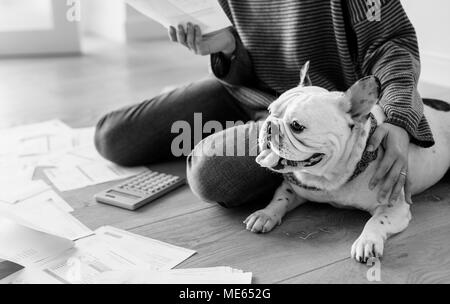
105, 18
432, 22
115, 20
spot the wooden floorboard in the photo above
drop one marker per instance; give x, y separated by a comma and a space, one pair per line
419, 254
313, 243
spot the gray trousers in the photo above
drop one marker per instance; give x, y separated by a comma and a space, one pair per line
141, 134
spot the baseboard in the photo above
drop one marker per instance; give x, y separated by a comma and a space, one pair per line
435, 68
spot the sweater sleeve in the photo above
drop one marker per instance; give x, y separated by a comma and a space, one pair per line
387, 47
236, 70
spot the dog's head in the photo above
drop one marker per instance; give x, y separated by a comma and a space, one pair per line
308, 127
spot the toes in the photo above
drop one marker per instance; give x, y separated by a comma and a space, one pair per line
250, 221
378, 249
260, 221
360, 252
259, 224
368, 251
268, 226
365, 248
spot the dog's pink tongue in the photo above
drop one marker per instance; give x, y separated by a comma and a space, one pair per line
267, 158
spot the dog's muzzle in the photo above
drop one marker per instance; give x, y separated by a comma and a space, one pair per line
273, 142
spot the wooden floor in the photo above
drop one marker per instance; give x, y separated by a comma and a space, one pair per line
313, 243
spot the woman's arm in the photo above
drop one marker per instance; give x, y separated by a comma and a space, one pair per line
388, 49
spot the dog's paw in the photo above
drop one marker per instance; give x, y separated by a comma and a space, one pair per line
262, 221
368, 245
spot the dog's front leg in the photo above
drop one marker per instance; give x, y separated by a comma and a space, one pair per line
266, 219
385, 221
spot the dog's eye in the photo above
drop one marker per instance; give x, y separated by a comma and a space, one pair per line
296, 127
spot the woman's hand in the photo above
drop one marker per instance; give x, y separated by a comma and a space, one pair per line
392, 170
192, 38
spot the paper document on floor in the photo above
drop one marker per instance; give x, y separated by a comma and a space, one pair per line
69, 178
71, 154
48, 213
213, 275
83, 261
27, 246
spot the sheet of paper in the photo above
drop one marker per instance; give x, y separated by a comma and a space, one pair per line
8, 268
36, 139
90, 258
26, 246
207, 14
156, 254
30, 275
46, 213
14, 168
15, 190
87, 174
181, 276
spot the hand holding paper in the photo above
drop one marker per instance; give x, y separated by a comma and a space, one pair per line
192, 38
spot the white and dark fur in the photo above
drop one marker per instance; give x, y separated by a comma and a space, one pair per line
336, 130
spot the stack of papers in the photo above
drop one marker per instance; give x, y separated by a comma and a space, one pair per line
106, 256
207, 14
52, 259
211, 275
38, 231
70, 153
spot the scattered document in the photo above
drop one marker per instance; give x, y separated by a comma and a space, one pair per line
88, 259
30, 275
158, 255
15, 190
46, 212
36, 139
213, 275
14, 168
87, 174
70, 153
109, 249
26, 246
207, 14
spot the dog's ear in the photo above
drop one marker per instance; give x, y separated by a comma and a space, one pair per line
304, 75
361, 97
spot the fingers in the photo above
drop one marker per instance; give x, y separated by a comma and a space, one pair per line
391, 180
181, 35
198, 38
376, 139
408, 191
401, 184
173, 34
190, 37
384, 167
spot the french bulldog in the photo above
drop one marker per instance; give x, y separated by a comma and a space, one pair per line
318, 139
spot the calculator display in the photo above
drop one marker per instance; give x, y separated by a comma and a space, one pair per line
117, 193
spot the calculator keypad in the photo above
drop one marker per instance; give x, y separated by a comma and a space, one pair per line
149, 183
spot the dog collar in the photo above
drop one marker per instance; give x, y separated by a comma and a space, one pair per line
366, 158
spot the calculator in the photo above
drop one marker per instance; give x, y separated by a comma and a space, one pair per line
140, 190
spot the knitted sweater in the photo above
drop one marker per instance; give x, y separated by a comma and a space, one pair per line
276, 37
